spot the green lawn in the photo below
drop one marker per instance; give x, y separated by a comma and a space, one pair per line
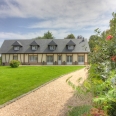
17, 81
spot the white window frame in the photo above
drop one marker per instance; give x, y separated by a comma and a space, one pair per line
69, 59
50, 60
34, 47
70, 47
33, 58
81, 59
16, 48
52, 47
15, 57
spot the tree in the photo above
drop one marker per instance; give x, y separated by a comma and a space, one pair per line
48, 35
70, 36
38, 37
93, 42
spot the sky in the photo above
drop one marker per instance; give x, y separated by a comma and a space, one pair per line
27, 19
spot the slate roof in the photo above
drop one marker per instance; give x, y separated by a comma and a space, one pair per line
82, 47
71, 43
34, 43
16, 43
52, 43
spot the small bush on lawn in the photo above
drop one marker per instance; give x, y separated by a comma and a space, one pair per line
14, 63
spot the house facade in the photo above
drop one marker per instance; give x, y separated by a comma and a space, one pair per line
46, 51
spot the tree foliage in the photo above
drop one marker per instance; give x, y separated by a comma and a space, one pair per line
93, 42
38, 37
101, 82
47, 35
70, 36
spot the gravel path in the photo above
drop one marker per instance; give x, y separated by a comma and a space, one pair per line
52, 99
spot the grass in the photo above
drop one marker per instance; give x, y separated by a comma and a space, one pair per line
17, 81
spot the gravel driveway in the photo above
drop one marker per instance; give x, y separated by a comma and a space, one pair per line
52, 99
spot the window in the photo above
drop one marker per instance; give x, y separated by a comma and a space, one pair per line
16, 48
69, 58
59, 57
34, 47
52, 47
70, 47
15, 57
49, 58
80, 58
33, 58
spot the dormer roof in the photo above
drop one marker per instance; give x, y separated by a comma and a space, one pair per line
34, 43
52, 43
71, 43
16, 43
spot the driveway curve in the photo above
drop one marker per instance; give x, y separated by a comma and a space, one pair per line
49, 100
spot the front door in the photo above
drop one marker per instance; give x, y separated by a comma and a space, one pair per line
69, 60
59, 60
50, 60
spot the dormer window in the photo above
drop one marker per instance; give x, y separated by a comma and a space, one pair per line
70, 47
16, 48
52, 47
17, 45
34, 47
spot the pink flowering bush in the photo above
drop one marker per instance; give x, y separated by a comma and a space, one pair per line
109, 37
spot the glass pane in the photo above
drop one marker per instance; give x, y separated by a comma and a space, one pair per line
16, 48
70, 58
70, 47
15, 58
34, 47
67, 58
59, 57
47, 58
52, 47
33, 58
51, 59
81, 58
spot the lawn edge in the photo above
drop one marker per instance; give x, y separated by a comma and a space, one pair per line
23, 95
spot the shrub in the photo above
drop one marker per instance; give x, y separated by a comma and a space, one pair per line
14, 63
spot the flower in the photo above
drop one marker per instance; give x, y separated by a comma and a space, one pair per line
109, 37
113, 58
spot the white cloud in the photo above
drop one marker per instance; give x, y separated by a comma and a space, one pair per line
57, 14
61, 17
81, 9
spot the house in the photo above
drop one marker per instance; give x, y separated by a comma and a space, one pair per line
46, 51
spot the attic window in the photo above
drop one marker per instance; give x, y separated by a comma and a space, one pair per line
34, 47
16, 48
70, 47
52, 47
16, 45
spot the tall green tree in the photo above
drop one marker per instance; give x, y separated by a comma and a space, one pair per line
93, 42
48, 35
70, 36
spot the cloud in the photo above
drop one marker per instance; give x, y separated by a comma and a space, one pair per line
58, 14
56, 8
61, 17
